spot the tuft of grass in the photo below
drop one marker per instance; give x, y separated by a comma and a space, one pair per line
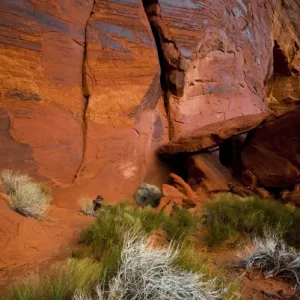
86, 205
61, 283
232, 216
26, 197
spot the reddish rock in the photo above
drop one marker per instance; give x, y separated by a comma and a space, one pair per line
172, 193
292, 196
80, 97
218, 55
212, 135
272, 152
206, 174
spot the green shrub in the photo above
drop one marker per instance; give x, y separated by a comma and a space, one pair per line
105, 236
61, 283
26, 197
232, 216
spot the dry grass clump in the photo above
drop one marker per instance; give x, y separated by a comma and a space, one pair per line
149, 273
86, 205
273, 258
26, 197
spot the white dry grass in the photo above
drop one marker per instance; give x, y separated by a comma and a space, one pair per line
10, 180
29, 198
273, 258
148, 274
86, 205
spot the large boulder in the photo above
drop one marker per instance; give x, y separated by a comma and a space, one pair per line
148, 195
272, 152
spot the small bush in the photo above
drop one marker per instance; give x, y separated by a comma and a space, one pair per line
62, 282
86, 205
231, 215
28, 198
273, 258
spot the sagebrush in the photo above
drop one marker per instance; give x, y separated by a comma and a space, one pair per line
151, 273
273, 257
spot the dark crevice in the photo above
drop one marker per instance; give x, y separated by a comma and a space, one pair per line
86, 95
170, 58
280, 63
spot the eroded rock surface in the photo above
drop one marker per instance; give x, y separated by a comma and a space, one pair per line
218, 55
212, 135
80, 95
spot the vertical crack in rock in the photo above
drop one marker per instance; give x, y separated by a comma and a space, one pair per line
172, 63
86, 95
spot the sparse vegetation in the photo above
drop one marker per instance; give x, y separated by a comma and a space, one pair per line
86, 205
28, 198
105, 236
60, 284
273, 258
118, 264
233, 217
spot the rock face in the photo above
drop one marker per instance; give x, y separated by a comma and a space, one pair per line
80, 98
81, 103
218, 55
272, 152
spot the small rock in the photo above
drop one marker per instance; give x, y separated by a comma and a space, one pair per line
148, 195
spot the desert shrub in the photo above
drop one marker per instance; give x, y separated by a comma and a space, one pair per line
86, 205
61, 283
149, 273
273, 258
148, 194
230, 215
28, 198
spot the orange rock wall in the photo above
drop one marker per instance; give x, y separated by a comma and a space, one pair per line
80, 98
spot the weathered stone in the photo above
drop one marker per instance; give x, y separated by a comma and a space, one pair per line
80, 96
272, 152
148, 195
218, 55
206, 174
212, 135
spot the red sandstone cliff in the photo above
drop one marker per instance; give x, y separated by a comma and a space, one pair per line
81, 104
